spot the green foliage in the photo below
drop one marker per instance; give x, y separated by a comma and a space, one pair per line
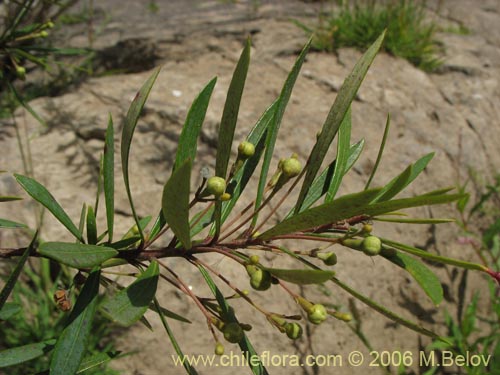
410, 34
203, 223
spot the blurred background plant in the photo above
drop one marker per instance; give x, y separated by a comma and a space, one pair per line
410, 33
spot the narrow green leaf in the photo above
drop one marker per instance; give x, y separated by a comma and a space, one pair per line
175, 203
76, 255
128, 131
272, 132
129, 305
337, 113
158, 225
344, 141
230, 113
380, 151
42, 195
91, 227
349, 206
340, 208
4, 223
8, 310
124, 243
72, 343
5, 198
169, 314
187, 366
422, 275
302, 277
109, 177
95, 360
322, 183
11, 281
81, 224
228, 315
188, 140
412, 220
386, 312
21, 354
26, 105
432, 257
99, 186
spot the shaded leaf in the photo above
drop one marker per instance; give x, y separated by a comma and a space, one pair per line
21, 354
129, 304
76, 255
72, 343
5, 198
42, 195
128, 131
188, 140
8, 310
109, 177
91, 226
412, 220
302, 277
11, 281
422, 275
11, 224
96, 360
169, 314
337, 113
175, 203
380, 152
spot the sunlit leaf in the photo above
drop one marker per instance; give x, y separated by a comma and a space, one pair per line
175, 203
76, 255
42, 195
128, 131
302, 277
128, 305
95, 360
11, 224
380, 151
72, 343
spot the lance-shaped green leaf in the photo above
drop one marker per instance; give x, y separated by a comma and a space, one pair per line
76, 255
412, 220
188, 140
352, 205
422, 275
228, 316
386, 312
21, 354
6, 198
109, 177
175, 203
42, 195
4, 223
72, 343
128, 305
302, 277
8, 310
187, 365
11, 281
398, 183
337, 113
380, 151
323, 182
128, 131
344, 141
96, 360
272, 132
91, 226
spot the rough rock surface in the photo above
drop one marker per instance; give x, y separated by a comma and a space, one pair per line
453, 113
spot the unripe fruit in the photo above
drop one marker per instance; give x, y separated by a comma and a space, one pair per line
246, 327
245, 150
254, 259
225, 197
367, 228
317, 314
49, 25
219, 349
260, 280
291, 167
330, 259
371, 245
216, 186
21, 72
346, 317
293, 330
233, 332
43, 34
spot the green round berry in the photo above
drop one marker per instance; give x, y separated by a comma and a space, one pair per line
245, 150
291, 167
233, 332
260, 280
216, 186
367, 228
21, 72
219, 349
371, 245
317, 314
254, 259
293, 330
330, 259
49, 25
225, 197
43, 34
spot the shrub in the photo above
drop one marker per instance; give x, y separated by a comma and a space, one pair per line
203, 223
